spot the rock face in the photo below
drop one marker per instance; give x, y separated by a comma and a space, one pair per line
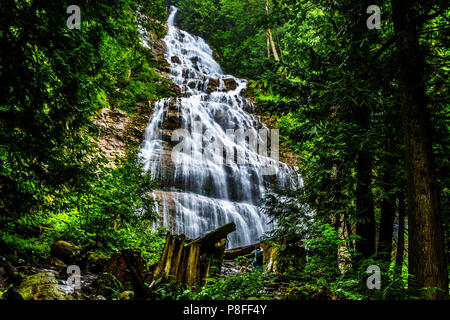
112, 124
42, 286
65, 251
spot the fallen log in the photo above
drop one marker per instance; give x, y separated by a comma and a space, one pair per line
232, 254
191, 261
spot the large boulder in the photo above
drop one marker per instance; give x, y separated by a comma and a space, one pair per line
42, 286
65, 251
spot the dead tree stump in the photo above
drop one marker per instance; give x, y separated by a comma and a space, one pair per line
192, 261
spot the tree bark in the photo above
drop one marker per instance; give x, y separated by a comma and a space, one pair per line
238, 252
270, 37
401, 232
365, 215
388, 207
426, 254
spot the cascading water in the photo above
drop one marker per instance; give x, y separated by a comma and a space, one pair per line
201, 193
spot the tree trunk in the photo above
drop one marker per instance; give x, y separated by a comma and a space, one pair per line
365, 225
238, 252
401, 232
270, 37
191, 263
426, 254
388, 207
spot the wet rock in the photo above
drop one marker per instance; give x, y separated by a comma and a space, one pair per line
126, 295
213, 84
108, 285
192, 85
42, 286
175, 59
230, 84
65, 251
54, 263
195, 60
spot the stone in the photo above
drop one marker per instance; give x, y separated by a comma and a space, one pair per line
230, 84
65, 251
126, 295
213, 84
42, 286
55, 264
192, 85
175, 59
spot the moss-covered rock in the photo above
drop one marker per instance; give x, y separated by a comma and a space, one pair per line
65, 251
42, 286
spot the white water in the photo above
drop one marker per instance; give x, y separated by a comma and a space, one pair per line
202, 194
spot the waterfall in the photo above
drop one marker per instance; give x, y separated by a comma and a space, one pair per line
201, 191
